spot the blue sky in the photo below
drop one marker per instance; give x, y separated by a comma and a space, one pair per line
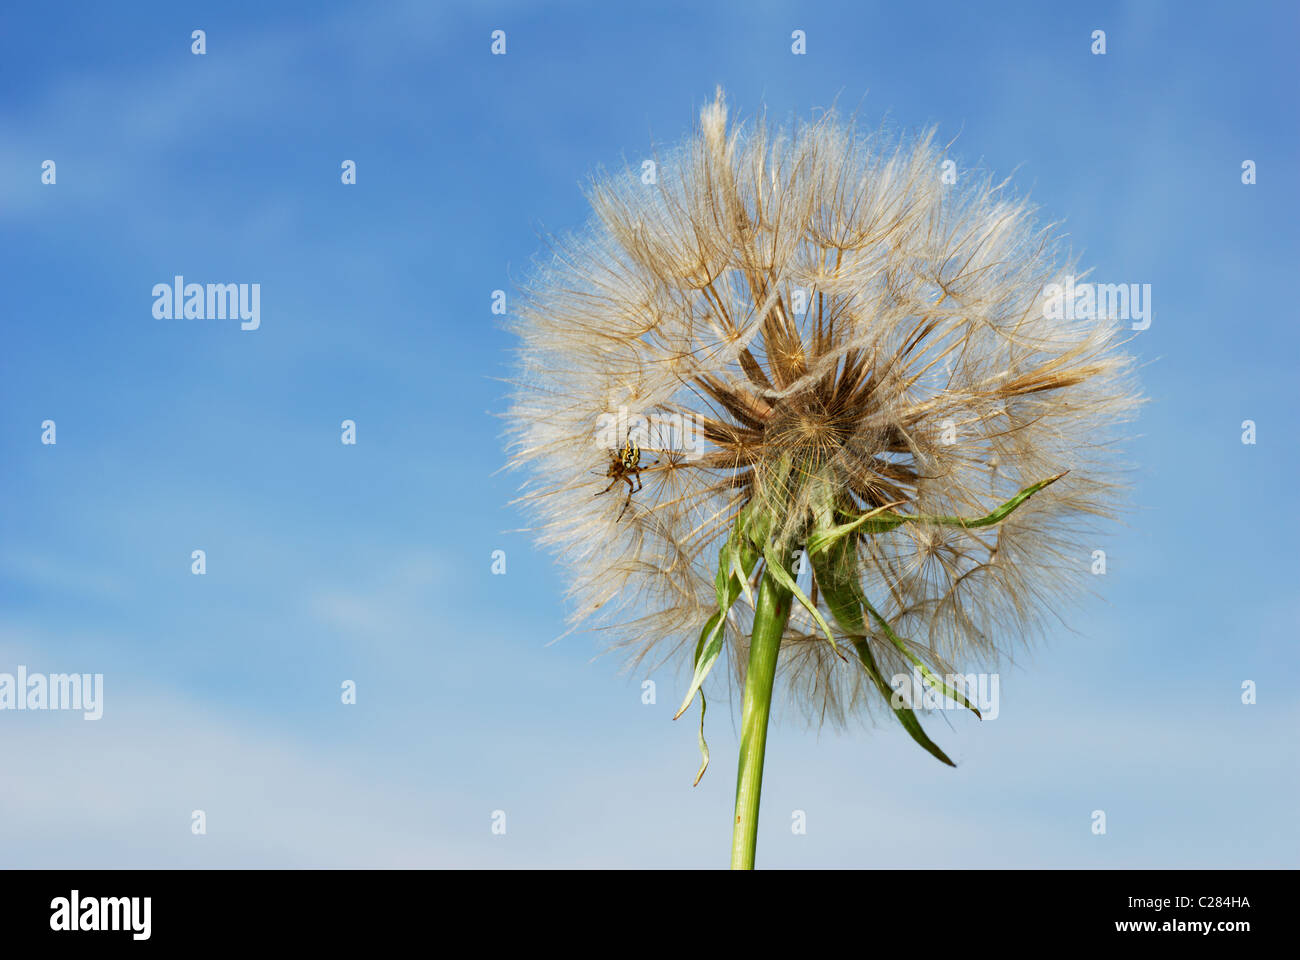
371, 562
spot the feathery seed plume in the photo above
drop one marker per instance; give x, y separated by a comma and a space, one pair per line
799, 388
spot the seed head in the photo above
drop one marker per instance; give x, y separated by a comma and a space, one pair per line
844, 331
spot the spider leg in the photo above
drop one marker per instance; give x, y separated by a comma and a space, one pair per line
628, 502
610, 487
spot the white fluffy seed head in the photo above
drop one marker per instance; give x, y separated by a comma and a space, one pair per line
822, 299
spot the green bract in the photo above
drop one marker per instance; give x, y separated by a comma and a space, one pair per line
833, 551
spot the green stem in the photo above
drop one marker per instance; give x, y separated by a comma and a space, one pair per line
771, 612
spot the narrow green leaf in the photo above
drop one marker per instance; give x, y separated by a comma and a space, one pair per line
998, 515
874, 522
704, 747
756, 528
823, 539
738, 551
776, 569
710, 643
704, 706
935, 680
882, 524
736, 561
905, 714
837, 580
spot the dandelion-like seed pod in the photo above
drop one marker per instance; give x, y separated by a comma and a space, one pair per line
836, 332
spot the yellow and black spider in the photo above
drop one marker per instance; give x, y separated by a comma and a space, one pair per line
624, 466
